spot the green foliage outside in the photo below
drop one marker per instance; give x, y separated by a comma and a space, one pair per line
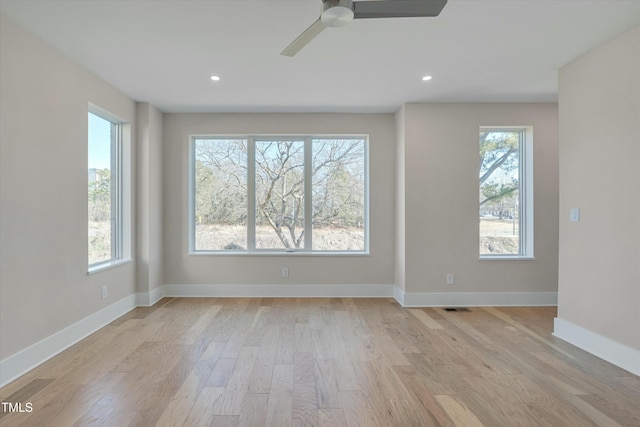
100, 216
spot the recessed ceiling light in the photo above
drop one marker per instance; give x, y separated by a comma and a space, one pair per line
215, 78
426, 78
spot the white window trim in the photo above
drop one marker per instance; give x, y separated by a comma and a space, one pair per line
251, 203
525, 170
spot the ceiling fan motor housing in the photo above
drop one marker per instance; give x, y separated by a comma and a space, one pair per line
336, 13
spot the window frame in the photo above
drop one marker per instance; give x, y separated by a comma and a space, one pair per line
525, 194
120, 161
251, 250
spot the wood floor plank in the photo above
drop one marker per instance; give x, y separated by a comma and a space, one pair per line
258, 326
499, 313
303, 370
202, 411
181, 404
305, 406
146, 412
254, 410
326, 384
421, 393
593, 413
224, 421
405, 413
199, 326
280, 405
324, 362
458, 412
221, 373
285, 348
624, 414
25, 393
565, 415
373, 391
345, 375
88, 395
230, 403
384, 347
331, 418
428, 321
356, 411
302, 340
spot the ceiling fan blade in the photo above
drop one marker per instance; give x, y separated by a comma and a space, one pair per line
304, 38
397, 8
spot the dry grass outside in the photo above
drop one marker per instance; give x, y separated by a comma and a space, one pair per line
499, 236
99, 241
227, 237
496, 237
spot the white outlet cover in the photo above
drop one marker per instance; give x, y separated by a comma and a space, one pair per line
574, 214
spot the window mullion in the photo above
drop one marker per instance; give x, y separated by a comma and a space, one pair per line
308, 195
251, 194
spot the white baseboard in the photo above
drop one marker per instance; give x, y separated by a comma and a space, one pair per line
605, 348
288, 291
398, 295
20, 363
477, 299
432, 299
147, 299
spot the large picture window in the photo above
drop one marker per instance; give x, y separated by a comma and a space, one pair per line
279, 194
506, 193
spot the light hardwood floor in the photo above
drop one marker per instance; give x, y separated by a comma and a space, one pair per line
324, 362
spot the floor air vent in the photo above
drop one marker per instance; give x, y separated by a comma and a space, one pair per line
456, 309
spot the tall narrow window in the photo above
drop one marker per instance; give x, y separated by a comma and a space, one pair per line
104, 191
293, 194
505, 193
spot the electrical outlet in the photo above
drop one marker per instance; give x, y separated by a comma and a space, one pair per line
104, 292
574, 214
285, 272
450, 279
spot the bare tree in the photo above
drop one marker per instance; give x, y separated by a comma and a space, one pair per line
337, 174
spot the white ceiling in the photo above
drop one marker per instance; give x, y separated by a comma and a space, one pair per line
163, 51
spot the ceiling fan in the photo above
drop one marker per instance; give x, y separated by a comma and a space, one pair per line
336, 13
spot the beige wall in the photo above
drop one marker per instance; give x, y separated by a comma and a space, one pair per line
400, 266
599, 275
149, 266
182, 268
441, 198
44, 286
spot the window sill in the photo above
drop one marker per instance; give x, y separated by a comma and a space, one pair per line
279, 254
107, 265
507, 257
